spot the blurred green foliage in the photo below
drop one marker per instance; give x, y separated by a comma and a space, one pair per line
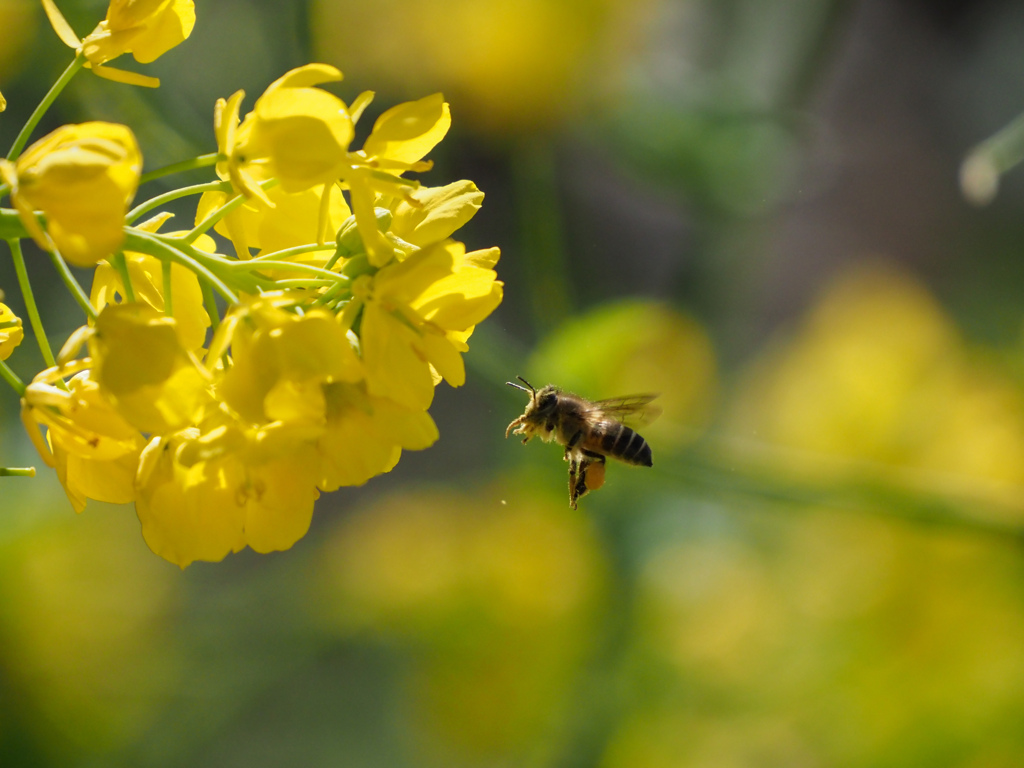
823, 567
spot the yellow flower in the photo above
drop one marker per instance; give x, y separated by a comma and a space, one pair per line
417, 314
94, 450
293, 220
200, 496
280, 360
146, 274
82, 177
300, 134
147, 29
11, 332
432, 214
400, 139
297, 133
365, 435
3, 103
145, 371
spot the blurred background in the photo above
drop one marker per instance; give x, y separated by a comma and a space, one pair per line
752, 208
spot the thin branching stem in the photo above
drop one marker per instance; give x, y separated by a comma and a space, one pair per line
175, 194
202, 161
22, 139
30, 302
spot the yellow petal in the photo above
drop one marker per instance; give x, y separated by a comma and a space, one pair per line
394, 367
441, 211
407, 132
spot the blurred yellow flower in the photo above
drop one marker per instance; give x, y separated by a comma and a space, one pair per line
635, 346
496, 601
85, 614
877, 373
93, 448
11, 332
139, 360
82, 178
202, 495
145, 28
510, 66
365, 435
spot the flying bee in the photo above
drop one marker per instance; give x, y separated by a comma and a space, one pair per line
589, 431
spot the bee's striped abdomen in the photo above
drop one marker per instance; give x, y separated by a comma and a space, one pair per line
626, 444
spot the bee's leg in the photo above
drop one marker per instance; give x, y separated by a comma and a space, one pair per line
517, 423
579, 488
573, 478
572, 443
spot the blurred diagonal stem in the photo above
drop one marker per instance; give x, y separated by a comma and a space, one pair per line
985, 163
540, 221
736, 467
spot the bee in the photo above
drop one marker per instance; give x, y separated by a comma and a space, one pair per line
589, 431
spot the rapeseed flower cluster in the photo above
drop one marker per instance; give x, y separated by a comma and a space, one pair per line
221, 394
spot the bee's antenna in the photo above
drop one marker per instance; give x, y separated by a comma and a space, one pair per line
531, 390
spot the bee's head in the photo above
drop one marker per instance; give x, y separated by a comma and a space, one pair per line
542, 402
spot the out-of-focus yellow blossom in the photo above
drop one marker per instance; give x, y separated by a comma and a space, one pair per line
495, 599
11, 332
878, 374
144, 369
365, 435
146, 274
94, 450
417, 315
201, 495
3, 103
147, 29
517, 66
281, 359
632, 347
293, 220
84, 613
82, 178
19, 22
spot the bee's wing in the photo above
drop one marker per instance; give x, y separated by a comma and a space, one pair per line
634, 409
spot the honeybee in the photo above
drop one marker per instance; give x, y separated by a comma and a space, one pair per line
589, 431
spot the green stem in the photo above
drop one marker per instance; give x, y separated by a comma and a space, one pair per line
258, 266
728, 466
202, 161
120, 263
174, 194
330, 294
30, 303
547, 270
146, 242
297, 250
48, 99
12, 378
72, 284
17, 471
302, 283
165, 273
210, 302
